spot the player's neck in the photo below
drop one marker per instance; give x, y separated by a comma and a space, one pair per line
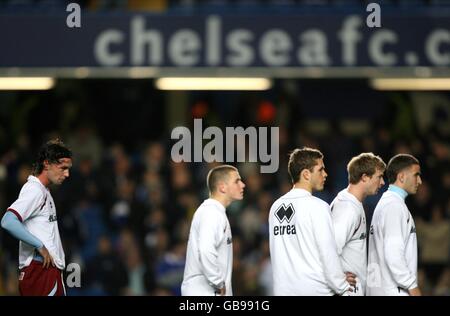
44, 179
221, 199
357, 192
399, 185
304, 186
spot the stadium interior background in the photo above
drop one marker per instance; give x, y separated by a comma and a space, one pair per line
125, 212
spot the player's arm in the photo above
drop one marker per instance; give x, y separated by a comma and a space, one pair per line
394, 247
209, 239
345, 222
14, 226
326, 245
30, 202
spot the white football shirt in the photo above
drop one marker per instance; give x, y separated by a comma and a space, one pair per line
302, 247
392, 263
209, 257
350, 230
36, 209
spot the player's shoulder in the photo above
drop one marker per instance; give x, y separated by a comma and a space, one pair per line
283, 200
345, 206
390, 200
388, 207
319, 203
32, 188
203, 209
209, 211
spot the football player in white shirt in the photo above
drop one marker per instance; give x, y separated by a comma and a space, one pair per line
209, 256
365, 177
303, 250
32, 219
392, 266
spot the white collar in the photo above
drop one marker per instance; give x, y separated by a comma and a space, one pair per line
299, 191
350, 196
215, 203
32, 178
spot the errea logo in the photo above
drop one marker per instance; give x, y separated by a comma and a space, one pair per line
285, 213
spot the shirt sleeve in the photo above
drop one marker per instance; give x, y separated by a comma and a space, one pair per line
394, 246
12, 224
30, 200
345, 222
326, 245
209, 240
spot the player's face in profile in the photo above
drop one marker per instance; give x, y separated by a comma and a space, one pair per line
318, 176
412, 179
375, 182
235, 186
58, 172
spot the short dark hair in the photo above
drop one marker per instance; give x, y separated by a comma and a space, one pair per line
365, 163
301, 159
216, 174
397, 164
52, 151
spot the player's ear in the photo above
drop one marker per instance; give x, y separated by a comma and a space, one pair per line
46, 164
401, 177
221, 186
365, 177
305, 174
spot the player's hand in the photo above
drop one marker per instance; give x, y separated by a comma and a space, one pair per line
47, 257
221, 292
351, 278
415, 292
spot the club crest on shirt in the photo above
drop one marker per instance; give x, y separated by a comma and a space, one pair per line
413, 230
52, 218
229, 240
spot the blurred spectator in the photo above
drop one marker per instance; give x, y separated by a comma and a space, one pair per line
170, 268
135, 268
105, 273
434, 243
85, 144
